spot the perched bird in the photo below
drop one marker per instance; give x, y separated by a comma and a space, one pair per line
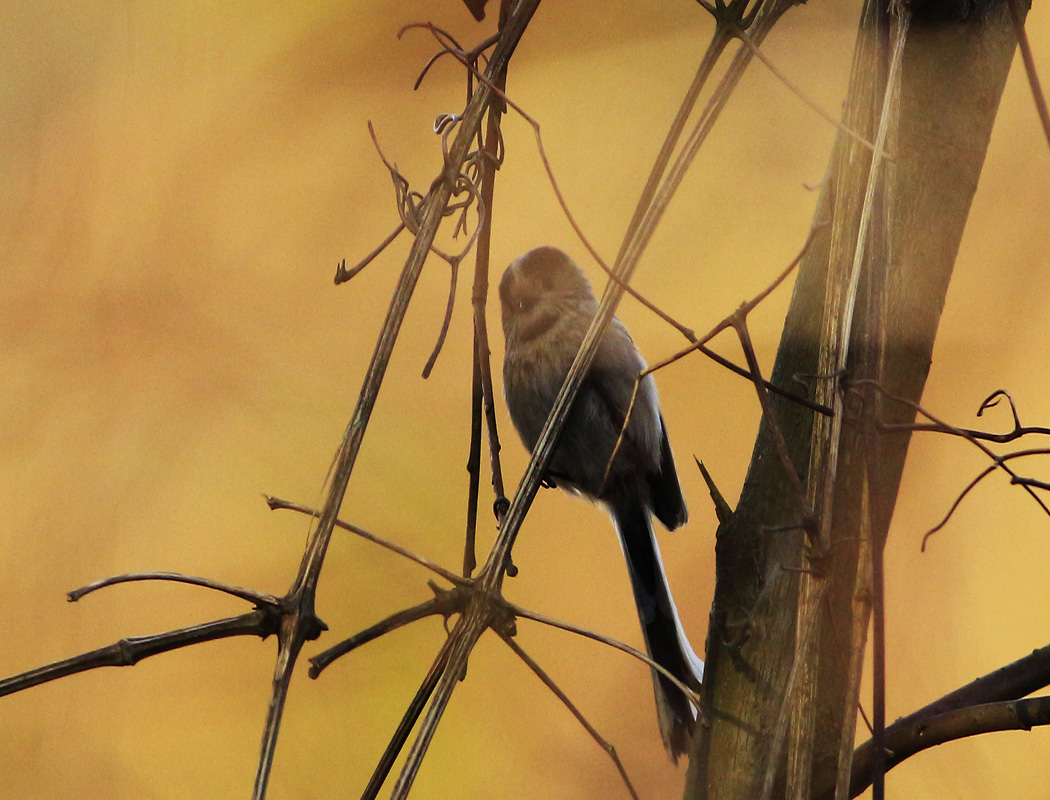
547, 306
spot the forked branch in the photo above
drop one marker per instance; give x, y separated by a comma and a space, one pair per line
990, 703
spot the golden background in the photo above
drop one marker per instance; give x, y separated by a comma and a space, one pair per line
178, 183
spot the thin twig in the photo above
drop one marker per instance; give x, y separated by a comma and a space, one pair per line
464, 636
485, 358
620, 436
794, 89
989, 402
998, 462
730, 321
992, 400
444, 604
957, 502
1010, 715
539, 141
550, 684
965, 433
805, 402
518, 611
412, 206
472, 623
878, 692
1029, 67
701, 76
277, 504
760, 19
477, 396
342, 274
703, 72
259, 598
447, 321
1034, 483
746, 308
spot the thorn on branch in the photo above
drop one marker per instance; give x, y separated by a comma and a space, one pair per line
722, 509
342, 274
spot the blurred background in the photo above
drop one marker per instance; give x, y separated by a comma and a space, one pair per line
177, 185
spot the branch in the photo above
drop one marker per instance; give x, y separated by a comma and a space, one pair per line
795, 90
301, 622
446, 603
998, 462
905, 741
259, 598
991, 401
998, 688
342, 274
127, 652
408, 721
1017, 17
482, 397
479, 615
961, 723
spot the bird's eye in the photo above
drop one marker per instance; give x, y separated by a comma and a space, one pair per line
525, 303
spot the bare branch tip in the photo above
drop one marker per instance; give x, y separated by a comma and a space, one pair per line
992, 400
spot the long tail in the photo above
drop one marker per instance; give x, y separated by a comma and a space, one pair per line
665, 639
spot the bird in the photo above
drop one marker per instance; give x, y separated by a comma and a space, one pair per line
547, 305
